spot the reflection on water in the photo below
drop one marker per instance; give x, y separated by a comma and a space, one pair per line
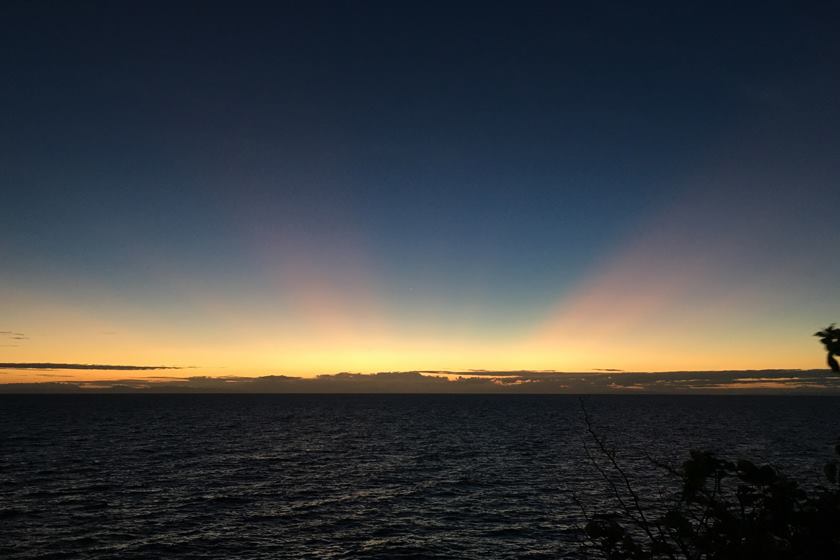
316, 476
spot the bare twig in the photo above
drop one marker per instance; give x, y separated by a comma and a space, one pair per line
639, 518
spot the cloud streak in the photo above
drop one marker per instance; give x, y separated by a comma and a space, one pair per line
104, 367
13, 335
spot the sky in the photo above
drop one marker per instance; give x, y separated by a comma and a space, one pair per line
304, 188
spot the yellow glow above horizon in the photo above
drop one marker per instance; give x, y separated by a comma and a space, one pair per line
676, 297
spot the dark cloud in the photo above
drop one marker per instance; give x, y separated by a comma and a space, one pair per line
504, 382
491, 373
51, 366
13, 335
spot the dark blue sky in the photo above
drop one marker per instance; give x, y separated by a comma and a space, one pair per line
483, 160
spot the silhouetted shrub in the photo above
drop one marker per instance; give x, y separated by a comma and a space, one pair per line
830, 337
722, 510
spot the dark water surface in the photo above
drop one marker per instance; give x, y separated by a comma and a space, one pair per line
330, 476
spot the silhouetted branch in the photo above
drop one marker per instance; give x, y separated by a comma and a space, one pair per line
636, 512
724, 510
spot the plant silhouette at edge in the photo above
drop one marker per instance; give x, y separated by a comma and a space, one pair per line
830, 337
722, 510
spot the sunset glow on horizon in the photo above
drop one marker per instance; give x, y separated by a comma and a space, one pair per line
343, 279
301, 219
676, 296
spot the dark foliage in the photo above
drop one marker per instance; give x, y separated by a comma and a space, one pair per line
722, 510
830, 337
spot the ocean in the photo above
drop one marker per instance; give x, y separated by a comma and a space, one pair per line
358, 476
